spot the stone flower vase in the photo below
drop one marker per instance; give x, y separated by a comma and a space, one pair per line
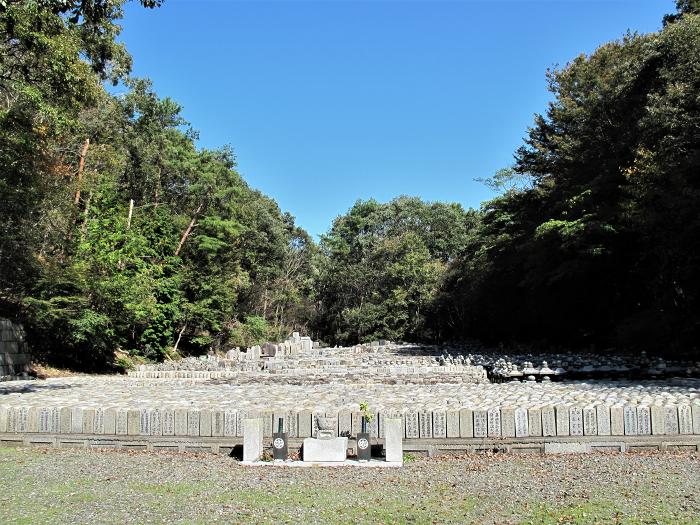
364, 447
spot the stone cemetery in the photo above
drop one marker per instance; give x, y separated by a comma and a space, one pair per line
428, 400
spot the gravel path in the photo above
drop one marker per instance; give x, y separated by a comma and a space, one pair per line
80, 486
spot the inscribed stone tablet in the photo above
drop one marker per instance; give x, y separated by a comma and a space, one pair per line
617, 421
33, 419
685, 419
110, 421
603, 419
643, 420
466, 423
292, 423
267, 425
534, 422
452, 423
508, 422
145, 421
133, 422
230, 423
549, 421
239, 422
696, 419
380, 423
671, 419
99, 425
88, 421
344, 423
193, 422
658, 420
168, 426
3, 418
23, 419
439, 424
356, 421
305, 423
121, 424
521, 422
217, 423
412, 431
205, 422
425, 424
180, 421
55, 420
576, 421
494, 422
562, 412
590, 423
13, 419
480, 423
155, 426
629, 414
76, 415
44, 419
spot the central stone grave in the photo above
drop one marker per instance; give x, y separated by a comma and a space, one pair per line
325, 447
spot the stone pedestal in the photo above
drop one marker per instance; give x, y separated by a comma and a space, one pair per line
252, 439
325, 450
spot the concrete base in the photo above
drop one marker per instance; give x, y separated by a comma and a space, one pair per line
325, 450
375, 463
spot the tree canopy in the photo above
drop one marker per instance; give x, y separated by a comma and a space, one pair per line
118, 233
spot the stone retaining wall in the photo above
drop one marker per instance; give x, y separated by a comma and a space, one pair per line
14, 355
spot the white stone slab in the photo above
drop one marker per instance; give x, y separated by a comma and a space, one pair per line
549, 421
508, 422
603, 419
590, 421
562, 412
253, 439
325, 450
643, 420
439, 424
466, 423
452, 423
629, 415
494, 422
685, 419
576, 421
521, 422
534, 422
617, 421
412, 431
480, 423
393, 439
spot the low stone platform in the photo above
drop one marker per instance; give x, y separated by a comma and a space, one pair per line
422, 447
375, 463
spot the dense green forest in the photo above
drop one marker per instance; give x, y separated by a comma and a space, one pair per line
117, 233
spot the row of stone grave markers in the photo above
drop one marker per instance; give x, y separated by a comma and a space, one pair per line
503, 422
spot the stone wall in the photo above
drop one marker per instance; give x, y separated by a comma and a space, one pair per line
554, 422
14, 354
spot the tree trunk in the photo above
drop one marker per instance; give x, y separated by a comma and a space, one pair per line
81, 167
76, 199
189, 229
131, 212
179, 336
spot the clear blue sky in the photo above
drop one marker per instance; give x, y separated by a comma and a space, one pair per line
329, 102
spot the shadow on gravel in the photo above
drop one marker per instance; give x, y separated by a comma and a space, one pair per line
25, 389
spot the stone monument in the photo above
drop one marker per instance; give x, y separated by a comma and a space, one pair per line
325, 447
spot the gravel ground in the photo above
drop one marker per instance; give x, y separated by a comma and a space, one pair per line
81, 486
